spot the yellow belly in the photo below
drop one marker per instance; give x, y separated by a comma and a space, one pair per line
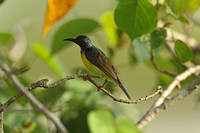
92, 68
95, 70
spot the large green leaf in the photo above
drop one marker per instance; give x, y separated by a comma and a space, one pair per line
158, 38
136, 17
1, 1
101, 121
71, 29
183, 52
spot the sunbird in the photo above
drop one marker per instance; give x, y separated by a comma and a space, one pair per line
97, 62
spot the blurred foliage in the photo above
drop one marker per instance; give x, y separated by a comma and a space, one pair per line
110, 28
45, 55
140, 50
5, 37
182, 50
158, 38
1, 1
144, 25
180, 6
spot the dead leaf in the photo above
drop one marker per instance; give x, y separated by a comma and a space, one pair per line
56, 10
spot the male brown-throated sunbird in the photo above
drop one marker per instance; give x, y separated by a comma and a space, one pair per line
96, 61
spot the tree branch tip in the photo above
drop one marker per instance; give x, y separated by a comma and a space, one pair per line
159, 87
197, 86
79, 71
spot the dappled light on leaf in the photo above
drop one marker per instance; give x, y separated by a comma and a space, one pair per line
56, 9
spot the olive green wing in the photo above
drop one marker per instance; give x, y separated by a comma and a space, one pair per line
101, 61
98, 58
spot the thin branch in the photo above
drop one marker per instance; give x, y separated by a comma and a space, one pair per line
1, 121
160, 103
43, 83
160, 69
121, 100
150, 115
174, 83
39, 83
31, 98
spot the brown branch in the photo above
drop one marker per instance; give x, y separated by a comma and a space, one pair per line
150, 115
174, 83
43, 83
31, 98
121, 100
1, 120
158, 68
160, 104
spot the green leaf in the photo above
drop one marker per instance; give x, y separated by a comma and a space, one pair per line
180, 18
71, 29
126, 126
140, 50
5, 37
183, 52
1, 1
180, 6
45, 55
136, 17
101, 121
157, 38
169, 11
110, 28
183, 19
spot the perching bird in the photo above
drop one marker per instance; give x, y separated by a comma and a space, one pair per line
96, 61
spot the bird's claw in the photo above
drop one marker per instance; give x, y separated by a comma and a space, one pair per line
86, 77
100, 87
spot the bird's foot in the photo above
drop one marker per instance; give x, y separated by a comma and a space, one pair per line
100, 87
86, 77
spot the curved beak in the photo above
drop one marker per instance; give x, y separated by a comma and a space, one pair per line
69, 39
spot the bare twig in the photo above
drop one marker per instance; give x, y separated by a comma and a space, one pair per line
31, 98
43, 83
160, 104
150, 115
174, 83
160, 69
121, 100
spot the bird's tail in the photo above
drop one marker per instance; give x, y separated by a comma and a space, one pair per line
124, 90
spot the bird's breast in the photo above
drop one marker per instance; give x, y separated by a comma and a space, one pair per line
92, 68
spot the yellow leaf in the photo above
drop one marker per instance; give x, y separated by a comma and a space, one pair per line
56, 9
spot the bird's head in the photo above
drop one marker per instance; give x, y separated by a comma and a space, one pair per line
82, 40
